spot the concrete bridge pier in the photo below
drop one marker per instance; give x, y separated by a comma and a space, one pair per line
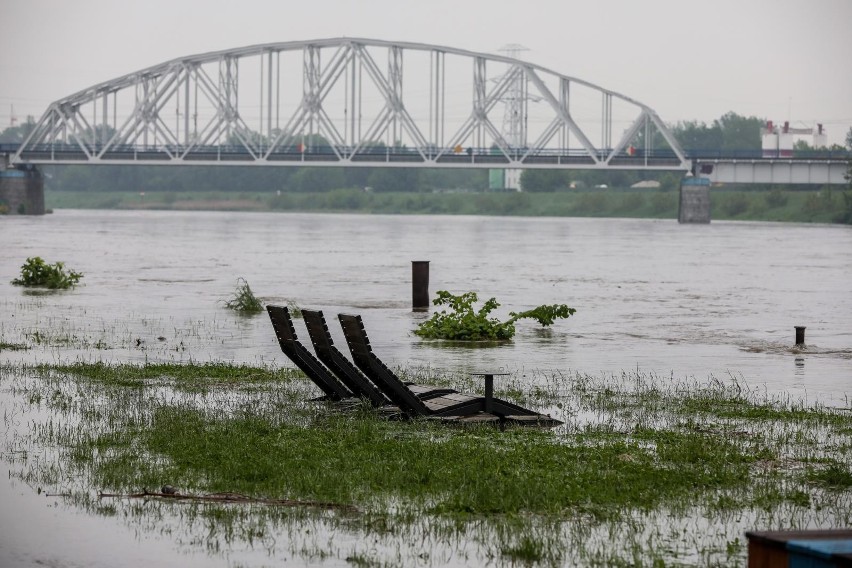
21, 189
694, 205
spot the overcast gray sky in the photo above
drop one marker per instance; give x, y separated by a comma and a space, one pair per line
689, 60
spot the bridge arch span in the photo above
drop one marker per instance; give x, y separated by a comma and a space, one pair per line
352, 102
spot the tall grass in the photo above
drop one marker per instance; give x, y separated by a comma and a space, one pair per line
244, 301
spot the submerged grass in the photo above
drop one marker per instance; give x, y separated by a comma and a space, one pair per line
634, 448
835, 477
244, 301
206, 375
471, 472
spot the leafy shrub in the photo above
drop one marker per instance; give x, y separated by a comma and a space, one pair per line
845, 216
736, 204
820, 201
592, 204
776, 198
664, 202
465, 324
244, 300
346, 199
514, 202
631, 202
35, 272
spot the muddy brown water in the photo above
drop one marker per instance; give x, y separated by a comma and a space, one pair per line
670, 300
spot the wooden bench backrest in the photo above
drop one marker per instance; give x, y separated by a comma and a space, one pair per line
336, 361
282, 323
374, 368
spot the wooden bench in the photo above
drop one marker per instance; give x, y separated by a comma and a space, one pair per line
334, 360
453, 405
290, 345
354, 379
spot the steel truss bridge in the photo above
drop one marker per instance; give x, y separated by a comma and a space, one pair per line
352, 102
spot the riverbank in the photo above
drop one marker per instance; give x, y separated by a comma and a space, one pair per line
639, 457
822, 206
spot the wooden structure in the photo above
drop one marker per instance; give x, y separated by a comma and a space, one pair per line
370, 379
290, 345
800, 549
454, 405
360, 385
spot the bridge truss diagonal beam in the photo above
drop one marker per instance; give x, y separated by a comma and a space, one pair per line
352, 102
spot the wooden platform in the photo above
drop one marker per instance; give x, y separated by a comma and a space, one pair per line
537, 420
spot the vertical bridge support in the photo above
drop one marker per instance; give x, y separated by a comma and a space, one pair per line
21, 190
694, 205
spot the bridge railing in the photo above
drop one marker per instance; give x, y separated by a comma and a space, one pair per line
330, 154
516, 154
832, 154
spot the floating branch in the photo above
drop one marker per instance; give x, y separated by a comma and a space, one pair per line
231, 498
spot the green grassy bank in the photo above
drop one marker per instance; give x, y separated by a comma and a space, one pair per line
818, 206
639, 461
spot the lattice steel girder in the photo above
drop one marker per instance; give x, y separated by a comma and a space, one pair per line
316, 84
393, 114
346, 97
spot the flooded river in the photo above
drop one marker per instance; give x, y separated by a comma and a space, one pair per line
682, 300
665, 299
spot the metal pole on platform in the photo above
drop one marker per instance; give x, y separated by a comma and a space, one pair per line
800, 334
420, 284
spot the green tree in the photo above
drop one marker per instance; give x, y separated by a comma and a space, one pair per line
17, 134
395, 179
740, 132
544, 180
317, 179
846, 215
694, 135
357, 177
435, 178
72, 178
848, 175
729, 132
670, 181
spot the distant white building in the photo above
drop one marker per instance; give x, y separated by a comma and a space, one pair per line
777, 142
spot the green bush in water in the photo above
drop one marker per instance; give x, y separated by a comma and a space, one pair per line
464, 323
35, 272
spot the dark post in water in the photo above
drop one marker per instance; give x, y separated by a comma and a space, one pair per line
420, 284
800, 335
